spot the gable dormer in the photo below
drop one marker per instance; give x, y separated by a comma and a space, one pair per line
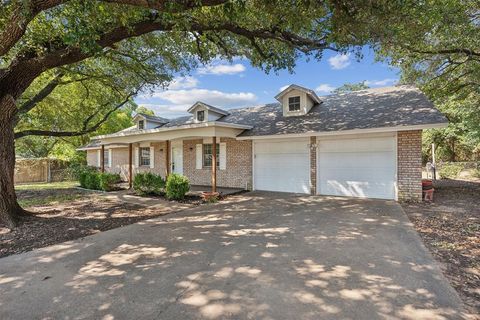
297, 100
203, 112
145, 121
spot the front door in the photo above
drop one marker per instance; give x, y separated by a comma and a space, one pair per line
177, 157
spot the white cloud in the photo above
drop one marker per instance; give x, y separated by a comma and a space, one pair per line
340, 61
324, 88
222, 69
213, 97
187, 82
284, 87
384, 82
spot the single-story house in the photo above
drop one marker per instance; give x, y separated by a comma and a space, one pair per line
361, 144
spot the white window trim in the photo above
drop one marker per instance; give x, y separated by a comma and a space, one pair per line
295, 103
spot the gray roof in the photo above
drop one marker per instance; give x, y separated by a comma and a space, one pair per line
154, 118
365, 109
209, 107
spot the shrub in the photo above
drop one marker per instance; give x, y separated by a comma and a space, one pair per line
177, 186
92, 180
148, 183
107, 181
450, 170
83, 174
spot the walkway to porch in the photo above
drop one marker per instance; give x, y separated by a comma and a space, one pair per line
197, 190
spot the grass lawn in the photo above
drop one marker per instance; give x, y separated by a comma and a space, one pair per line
38, 194
45, 186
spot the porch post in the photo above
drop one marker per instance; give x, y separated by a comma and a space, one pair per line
130, 171
214, 164
102, 158
167, 159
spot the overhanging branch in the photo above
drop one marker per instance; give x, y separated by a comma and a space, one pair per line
85, 130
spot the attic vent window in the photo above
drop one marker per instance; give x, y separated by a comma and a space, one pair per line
201, 115
141, 124
294, 103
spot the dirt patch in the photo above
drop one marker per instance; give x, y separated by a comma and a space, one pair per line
450, 228
56, 223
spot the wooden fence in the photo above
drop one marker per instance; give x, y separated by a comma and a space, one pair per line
40, 170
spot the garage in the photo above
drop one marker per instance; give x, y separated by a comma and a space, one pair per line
282, 165
359, 167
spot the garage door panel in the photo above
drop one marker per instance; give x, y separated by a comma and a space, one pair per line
349, 168
282, 166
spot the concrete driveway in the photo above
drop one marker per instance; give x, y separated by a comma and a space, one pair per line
259, 256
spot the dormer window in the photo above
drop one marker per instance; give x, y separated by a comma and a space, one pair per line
201, 115
294, 103
141, 124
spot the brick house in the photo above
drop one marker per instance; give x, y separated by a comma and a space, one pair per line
361, 144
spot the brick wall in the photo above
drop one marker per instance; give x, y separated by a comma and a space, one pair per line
238, 171
92, 158
313, 166
120, 160
409, 152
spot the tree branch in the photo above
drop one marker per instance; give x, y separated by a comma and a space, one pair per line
47, 133
42, 94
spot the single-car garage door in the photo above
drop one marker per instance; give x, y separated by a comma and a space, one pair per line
282, 166
362, 167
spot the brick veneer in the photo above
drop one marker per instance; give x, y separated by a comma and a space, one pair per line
238, 172
313, 165
409, 153
120, 160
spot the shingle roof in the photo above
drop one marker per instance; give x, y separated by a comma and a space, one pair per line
154, 118
365, 109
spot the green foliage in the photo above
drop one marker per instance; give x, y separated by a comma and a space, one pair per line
83, 176
91, 180
177, 186
350, 87
148, 183
107, 181
450, 170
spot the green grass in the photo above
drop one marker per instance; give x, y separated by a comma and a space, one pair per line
49, 200
46, 186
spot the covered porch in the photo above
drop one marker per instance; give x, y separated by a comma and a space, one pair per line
169, 153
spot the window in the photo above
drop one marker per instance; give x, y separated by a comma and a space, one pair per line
201, 115
141, 124
294, 103
144, 156
207, 155
105, 158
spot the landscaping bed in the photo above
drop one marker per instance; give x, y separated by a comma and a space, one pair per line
58, 222
450, 228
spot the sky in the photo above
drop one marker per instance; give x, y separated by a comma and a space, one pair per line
234, 85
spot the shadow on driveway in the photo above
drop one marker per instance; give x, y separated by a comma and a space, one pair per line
255, 256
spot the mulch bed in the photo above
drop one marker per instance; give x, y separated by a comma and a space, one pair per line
450, 228
56, 223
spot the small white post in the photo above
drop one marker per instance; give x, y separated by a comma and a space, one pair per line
433, 162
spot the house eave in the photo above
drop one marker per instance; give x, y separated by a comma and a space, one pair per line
182, 127
347, 132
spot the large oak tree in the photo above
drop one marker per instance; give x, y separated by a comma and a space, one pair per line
53, 41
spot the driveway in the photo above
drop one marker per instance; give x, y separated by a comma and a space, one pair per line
258, 256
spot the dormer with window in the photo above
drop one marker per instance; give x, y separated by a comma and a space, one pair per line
297, 100
146, 121
203, 112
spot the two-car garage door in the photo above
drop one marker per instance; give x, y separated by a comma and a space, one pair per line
359, 167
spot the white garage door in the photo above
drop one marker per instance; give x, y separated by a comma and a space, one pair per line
363, 167
282, 166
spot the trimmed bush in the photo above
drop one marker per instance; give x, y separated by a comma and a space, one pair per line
450, 170
83, 175
107, 181
177, 186
92, 180
148, 183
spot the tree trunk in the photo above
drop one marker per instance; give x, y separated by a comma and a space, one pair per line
10, 210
